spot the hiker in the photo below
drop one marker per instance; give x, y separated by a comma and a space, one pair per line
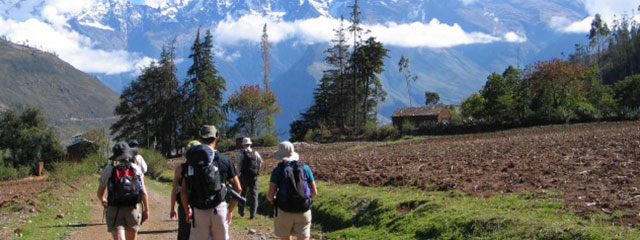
291, 190
183, 227
204, 188
133, 144
124, 183
250, 164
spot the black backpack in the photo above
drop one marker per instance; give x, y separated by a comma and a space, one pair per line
124, 186
294, 193
203, 179
249, 166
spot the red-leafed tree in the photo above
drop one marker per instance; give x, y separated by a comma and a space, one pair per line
253, 107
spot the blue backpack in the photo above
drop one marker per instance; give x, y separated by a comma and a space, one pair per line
294, 194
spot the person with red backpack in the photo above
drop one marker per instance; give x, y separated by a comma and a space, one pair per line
250, 163
203, 190
291, 190
124, 182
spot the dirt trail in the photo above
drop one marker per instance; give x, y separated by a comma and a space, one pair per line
159, 226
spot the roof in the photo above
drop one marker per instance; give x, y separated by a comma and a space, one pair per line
418, 111
78, 141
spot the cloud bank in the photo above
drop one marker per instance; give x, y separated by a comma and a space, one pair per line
48, 30
433, 34
608, 9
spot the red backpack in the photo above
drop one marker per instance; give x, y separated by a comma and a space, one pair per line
124, 186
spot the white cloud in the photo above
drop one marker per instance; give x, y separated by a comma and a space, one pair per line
467, 2
434, 34
48, 30
608, 9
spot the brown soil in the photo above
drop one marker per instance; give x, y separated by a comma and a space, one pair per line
595, 166
18, 190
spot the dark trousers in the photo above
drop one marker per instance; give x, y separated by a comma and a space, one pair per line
250, 192
184, 229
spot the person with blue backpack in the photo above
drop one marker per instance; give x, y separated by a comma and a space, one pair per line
291, 190
124, 182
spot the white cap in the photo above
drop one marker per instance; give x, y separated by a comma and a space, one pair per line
246, 141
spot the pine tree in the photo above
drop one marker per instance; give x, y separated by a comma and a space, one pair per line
203, 90
265, 70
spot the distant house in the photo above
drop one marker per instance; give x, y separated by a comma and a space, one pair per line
80, 148
419, 115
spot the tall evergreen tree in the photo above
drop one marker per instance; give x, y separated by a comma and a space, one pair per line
203, 90
356, 30
365, 65
270, 121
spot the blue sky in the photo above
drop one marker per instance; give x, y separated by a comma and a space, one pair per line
137, 1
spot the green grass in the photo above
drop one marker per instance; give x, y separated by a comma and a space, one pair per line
75, 207
356, 212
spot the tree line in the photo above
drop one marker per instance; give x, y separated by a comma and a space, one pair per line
346, 99
163, 113
599, 81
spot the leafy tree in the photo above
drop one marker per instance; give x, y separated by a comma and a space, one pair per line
474, 106
365, 64
149, 108
403, 67
252, 106
599, 31
203, 89
28, 139
431, 98
627, 93
267, 88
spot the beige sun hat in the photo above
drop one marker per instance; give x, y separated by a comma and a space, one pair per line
286, 152
246, 141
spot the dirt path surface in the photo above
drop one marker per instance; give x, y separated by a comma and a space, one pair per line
159, 226
12, 191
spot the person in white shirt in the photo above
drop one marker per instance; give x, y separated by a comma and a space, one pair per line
249, 162
133, 144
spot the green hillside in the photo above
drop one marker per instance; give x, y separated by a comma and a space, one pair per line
71, 100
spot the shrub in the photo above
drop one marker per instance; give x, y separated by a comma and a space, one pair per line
308, 136
8, 173
270, 140
69, 172
407, 128
226, 144
156, 162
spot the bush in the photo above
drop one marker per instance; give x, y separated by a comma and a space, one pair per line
308, 136
407, 128
69, 172
156, 162
226, 144
8, 173
270, 140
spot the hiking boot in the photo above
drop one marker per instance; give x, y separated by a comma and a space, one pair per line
241, 214
252, 217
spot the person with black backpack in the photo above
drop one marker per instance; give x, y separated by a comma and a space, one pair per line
291, 190
250, 163
204, 188
124, 182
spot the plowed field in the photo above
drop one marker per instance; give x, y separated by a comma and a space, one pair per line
595, 166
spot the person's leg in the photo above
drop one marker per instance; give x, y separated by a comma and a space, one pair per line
219, 224
118, 235
183, 226
285, 238
302, 238
302, 225
252, 197
283, 224
200, 228
131, 234
243, 185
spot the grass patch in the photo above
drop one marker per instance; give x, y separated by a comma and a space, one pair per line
356, 212
73, 204
71, 172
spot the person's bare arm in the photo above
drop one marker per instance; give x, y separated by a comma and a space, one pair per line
272, 192
100, 195
235, 182
145, 202
314, 190
176, 176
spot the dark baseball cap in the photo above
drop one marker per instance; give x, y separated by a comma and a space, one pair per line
208, 131
121, 151
134, 143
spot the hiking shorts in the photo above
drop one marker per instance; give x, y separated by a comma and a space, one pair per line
293, 224
123, 218
210, 223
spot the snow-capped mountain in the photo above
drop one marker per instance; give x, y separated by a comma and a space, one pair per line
453, 45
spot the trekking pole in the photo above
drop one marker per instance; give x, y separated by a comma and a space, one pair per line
237, 196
